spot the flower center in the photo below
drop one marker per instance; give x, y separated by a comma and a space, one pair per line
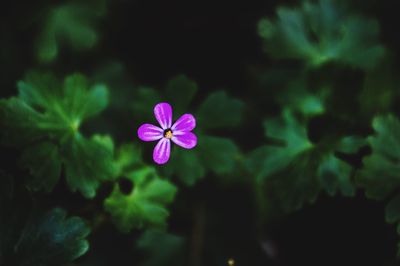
168, 134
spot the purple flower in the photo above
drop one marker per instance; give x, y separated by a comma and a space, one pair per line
179, 132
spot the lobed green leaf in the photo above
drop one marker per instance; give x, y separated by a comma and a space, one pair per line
45, 121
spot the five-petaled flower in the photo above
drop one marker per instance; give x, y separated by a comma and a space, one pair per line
179, 132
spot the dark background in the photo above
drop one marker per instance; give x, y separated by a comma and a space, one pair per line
216, 44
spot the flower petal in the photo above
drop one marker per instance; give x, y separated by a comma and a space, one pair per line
163, 114
161, 151
149, 132
187, 140
184, 124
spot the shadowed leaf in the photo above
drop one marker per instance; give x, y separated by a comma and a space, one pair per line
45, 119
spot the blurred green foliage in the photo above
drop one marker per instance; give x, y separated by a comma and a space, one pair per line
54, 126
380, 173
162, 248
73, 23
45, 119
380, 89
41, 238
320, 32
146, 203
52, 239
291, 170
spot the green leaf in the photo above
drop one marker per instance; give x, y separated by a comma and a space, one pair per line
52, 239
39, 89
392, 211
161, 248
295, 185
186, 165
268, 159
334, 175
293, 171
380, 89
43, 160
381, 172
128, 158
104, 140
220, 155
45, 120
62, 106
351, 144
380, 175
145, 100
145, 205
87, 162
20, 123
73, 23
180, 91
34, 238
322, 32
299, 99
219, 111
75, 91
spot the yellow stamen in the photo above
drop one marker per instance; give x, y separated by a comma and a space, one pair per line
231, 262
168, 134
